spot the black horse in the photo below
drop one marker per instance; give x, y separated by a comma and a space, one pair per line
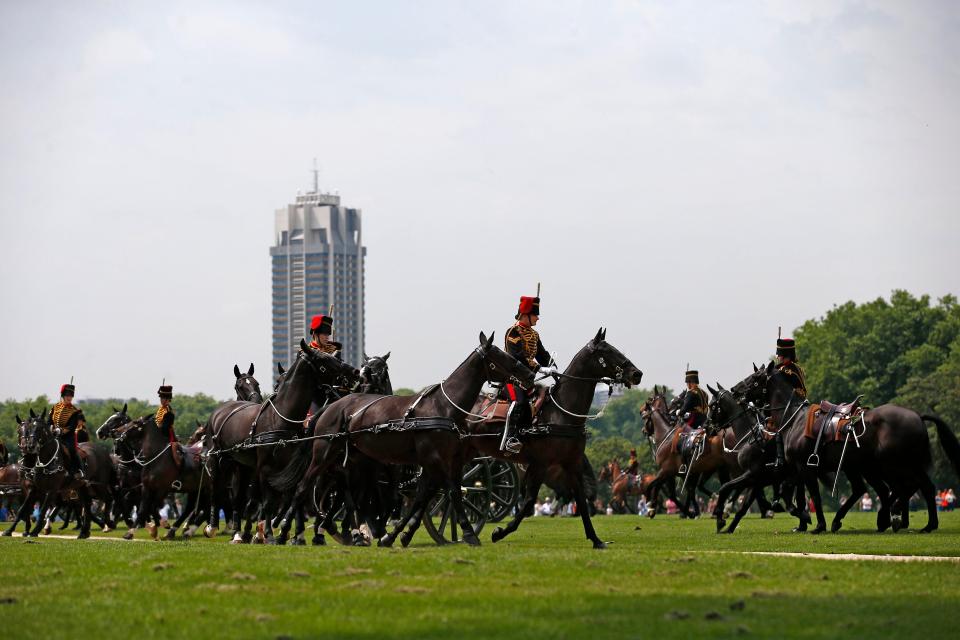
558, 436
423, 430
247, 435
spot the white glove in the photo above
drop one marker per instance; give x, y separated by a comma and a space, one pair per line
548, 371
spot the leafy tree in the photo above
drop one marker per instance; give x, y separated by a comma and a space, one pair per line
403, 391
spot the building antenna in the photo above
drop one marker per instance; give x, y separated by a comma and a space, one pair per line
316, 177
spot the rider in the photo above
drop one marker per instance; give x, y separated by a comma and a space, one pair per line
321, 327
523, 343
633, 465
788, 365
695, 401
165, 417
69, 420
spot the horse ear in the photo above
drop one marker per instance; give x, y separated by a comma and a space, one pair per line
770, 367
755, 367
597, 338
303, 344
43, 416
712, 391
279, 368
124, 407
199, 424
719, 386
32, 414
250, 370
386, 357
19, 421
483, 338
365, 356
236, 371
604, 337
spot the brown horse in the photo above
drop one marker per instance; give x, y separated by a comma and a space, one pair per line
558, 435
623, 485
243, 436
423, 430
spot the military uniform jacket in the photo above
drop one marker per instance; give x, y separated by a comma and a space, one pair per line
164, 418
694, 401
330, 347
523, 343
796, 377
66, 417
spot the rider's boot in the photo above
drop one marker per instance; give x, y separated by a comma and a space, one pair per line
780, 459
509, 441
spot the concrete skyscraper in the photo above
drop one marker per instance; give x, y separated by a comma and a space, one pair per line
317, 260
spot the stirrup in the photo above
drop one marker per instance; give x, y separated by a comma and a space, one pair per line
813, 460
512, 445
682, 470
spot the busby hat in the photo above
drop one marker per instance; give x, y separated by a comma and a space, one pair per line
67, 390
786, 348
529, 305
165, 391
321, 324
693, 376
633, 453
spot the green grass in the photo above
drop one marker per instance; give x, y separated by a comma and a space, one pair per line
662, 580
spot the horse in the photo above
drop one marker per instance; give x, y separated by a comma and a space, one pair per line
893, 447
161, 472
424, 431
246, 434
558, 434
42, 467
622, 485
247, 387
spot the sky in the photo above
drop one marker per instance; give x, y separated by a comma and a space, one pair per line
690, 175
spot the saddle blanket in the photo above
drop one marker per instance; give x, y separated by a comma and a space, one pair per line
836, 427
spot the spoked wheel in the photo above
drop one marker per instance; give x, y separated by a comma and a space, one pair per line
476, 488
504, 489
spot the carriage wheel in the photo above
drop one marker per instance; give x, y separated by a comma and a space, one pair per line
505, 489
476, 487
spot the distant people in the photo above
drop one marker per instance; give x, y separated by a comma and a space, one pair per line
642, 508
951, 499
695, 401
866, 503
538, 509
609, 509
68, 421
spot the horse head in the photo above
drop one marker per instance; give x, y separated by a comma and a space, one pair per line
327, 369
114, 422
35, 433
601, 360
247, 387
501, 366
375, 375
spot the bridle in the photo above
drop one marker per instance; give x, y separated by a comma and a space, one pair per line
483, 351
248, 383
617, 378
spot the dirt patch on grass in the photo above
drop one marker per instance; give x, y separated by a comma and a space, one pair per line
852, 556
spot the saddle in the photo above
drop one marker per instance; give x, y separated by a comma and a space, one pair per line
829, 422
497, 411
687, 442
847, 409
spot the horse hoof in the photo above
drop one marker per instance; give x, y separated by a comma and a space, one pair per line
721, 523
836, 526
170, 535
599, 545
385, 541
298, 542
128, 535
237, 539
7, 534
472, 540
246, 538
209, 532
818, 530
498, 534
318, 540
83, 535
46, 531
928, 529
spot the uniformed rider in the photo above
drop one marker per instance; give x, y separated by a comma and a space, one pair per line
523, 343
695, 405
321, 328
165, 417
788, 365
68, 420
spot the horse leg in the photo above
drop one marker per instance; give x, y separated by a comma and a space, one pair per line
726, 489
929, 493
742, 511
45, 505
813, 486
857, 489
84, 512
800, 509
531, 482
412, 517
883, 496
22, 514
456, 497
579, 495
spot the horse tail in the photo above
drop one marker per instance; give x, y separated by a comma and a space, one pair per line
948, 440
293, 472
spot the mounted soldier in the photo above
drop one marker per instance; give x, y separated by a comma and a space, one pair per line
788, 364
69, 422
523, 343
695, 405
165, 417
321, 328
633, 465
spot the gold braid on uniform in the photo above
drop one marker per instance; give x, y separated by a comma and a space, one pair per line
161, 412
530, 339
703, 406
61, 414
326, 347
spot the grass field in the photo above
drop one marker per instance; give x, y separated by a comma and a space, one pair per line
660, 579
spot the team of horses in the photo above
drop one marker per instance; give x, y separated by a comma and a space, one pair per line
330, 442
887, 447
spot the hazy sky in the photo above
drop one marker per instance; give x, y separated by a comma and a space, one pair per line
689, 175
